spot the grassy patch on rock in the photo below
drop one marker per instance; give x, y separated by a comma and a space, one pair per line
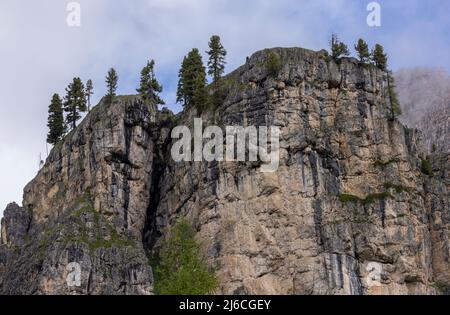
345, 198
384, 164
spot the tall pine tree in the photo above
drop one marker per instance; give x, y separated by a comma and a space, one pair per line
149, 87
216, 68
182, 89
55, 120
191, 76
217, 54
363, 50
111, 83
89, 92
396, 108
74, 102
379, 57
200, 98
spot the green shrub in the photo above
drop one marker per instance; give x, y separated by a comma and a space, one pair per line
434, 148
426, 168
273, 64
348, 198
182, 269
374, 197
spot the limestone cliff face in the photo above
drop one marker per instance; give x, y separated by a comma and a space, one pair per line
347, 212
87, 205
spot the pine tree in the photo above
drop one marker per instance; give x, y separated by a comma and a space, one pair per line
182, 94
379, 57
191, 68
393, 97
182, 268
55, 120
74, 102
200, 97
111, 82
149, 87
363, 50
89, 93
217, 54
338, 48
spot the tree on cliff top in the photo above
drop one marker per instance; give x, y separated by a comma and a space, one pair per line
111, 83
217, 54
379, 57
191, 80
363, 50
200, 98
149, 86
55, 120
74, 102
89, 92
216, 68
338, 48
182, 268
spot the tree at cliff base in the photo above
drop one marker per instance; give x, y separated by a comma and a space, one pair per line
182, 269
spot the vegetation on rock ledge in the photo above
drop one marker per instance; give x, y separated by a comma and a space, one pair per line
426, 168
366, 201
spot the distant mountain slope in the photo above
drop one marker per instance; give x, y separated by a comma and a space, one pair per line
425, 98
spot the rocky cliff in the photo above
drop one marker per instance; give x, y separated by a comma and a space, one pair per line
425, 98
88, 205
348, 211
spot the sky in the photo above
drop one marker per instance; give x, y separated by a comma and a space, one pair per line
40, 53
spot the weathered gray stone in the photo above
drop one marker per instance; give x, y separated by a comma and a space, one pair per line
15, 225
